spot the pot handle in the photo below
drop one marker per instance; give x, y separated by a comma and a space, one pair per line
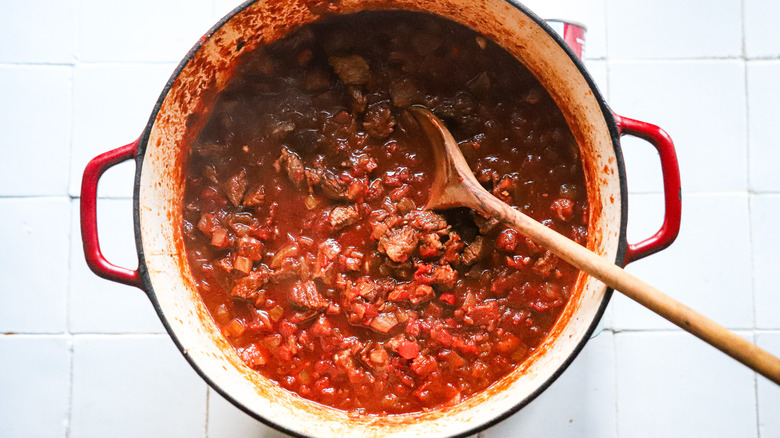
89, 231
671, 177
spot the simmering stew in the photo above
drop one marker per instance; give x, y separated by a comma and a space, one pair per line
304, 222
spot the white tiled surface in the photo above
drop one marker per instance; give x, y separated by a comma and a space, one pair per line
82, 357
36, 123
671, 385
35, 241
154, 394
764, 144
762, 40
768, 395
701, 104
34, 385
765, 209
672, 29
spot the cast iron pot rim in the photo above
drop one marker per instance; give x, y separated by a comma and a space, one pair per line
619, 259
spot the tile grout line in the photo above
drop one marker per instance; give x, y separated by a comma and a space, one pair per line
615, 384
749, 206
608, 62
69, 406
70, 264
68, 334
208, 412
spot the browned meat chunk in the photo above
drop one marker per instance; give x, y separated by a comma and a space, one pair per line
563, 208
254, 196
442, 275
349, 366
352, 70
341, 217
486, 225
404, 92
414, 292
384, 322
445, 276
324, 262
357, 98
399, 243
421, 293
235, 187
249, 287
474, 252
426, 220
250, 248
545, 264
292, 165
364, 287
380, 222
208, 223
307, 296
331, 184
379, 120
334, 188
453, 248
484, 314
210, 173
290, 268
430, 245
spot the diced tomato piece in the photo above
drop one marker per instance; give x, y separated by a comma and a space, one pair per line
409, 350
508, 344
253, 355
508, 240
413, 327
448, 298
424, 365
287, 328
441, 335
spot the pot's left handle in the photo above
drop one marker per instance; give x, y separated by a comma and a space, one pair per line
89, 230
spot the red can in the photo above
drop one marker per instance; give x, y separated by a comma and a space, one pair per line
573, 33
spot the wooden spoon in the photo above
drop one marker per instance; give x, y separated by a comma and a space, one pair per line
454, 185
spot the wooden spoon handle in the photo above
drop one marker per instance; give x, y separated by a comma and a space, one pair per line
683, 316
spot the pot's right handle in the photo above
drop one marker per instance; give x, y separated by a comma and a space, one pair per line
671, 177
89, 231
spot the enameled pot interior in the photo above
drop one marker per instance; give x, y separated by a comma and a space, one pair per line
159, 191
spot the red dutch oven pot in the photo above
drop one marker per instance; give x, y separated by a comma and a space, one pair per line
163, 272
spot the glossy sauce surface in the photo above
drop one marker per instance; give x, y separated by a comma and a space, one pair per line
304, 226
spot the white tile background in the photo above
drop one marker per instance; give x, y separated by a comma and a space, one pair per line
82, 357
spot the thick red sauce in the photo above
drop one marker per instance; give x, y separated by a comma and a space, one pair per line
304, 226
